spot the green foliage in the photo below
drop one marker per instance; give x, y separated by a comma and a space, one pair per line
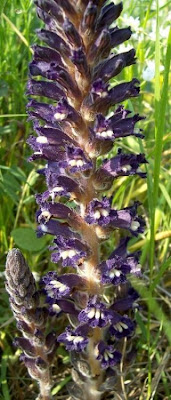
25, 238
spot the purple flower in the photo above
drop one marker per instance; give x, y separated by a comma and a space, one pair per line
42, 53
79, 59
58, 210
53, 227
108, 15
75, 160
41, 111
50, 8
124, 165
113, 65
123, 126
101, 213
127, 219
121, 326
56, 286
107, 355
71, 251
74, 340
53, 40
127, 302
58, 186
46, 89
98, 212
71, 33
64, 111
116, 126
119, 36
99, 89
121, 165
115, 269
95, 314
124, 91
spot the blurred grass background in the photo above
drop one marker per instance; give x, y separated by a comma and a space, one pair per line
149, 377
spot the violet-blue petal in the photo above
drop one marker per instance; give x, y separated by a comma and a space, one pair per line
121, 249
53, 227
121, 326
112, 66
108, 15
59, 186
58, 210
51, 90
114, 271
126, 303
51, 8
54, 136
89, 17
119, 36
124, 91
107, 355
76, 160
68, 306
41, 111
57, 287
127, 219
42, 53
95, 314
98, 212
124, 126
72, 34
71, 251
54, 72
73, 340
68, 8
116, 126
78, 58
64, 111
122, 165
53, 40
99, 90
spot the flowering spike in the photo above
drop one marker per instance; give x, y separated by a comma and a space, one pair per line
73, 71
24, 301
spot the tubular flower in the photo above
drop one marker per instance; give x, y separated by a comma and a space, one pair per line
70, 75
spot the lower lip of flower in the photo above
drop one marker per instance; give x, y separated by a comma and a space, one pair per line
100, 212
114, 272
58, 285
120, 326
75, 339
135, 225
68, 253
76, 163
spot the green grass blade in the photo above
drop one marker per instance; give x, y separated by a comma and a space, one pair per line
163, 268
4, 383
153, 306
161, 124
58, 387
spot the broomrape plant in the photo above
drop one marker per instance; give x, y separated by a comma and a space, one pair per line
74, 131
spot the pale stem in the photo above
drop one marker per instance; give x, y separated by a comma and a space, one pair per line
121, 369
45, 389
